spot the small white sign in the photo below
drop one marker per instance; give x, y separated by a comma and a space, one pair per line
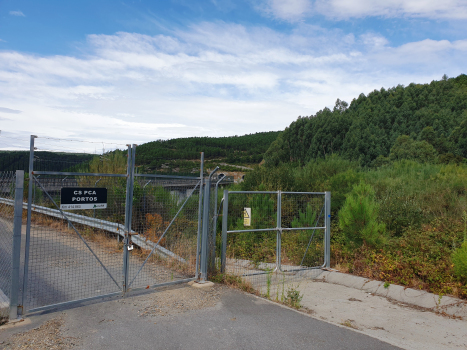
246, 216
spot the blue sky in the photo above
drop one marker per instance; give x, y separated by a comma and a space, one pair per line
136, 71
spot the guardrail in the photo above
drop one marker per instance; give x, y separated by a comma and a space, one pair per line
103, 225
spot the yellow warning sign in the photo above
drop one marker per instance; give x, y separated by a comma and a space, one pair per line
246, 216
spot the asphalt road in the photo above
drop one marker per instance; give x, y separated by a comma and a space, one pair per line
236, 321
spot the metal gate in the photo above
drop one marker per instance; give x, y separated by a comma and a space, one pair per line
11, 190
146, 235
266, 232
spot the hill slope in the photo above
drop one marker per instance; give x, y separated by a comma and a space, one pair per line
433, 116
171, 156
183, 154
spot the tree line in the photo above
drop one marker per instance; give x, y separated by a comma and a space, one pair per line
423, 122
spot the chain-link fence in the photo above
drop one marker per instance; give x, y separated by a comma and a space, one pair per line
7, 193
272, 239
144, 233
74, 254
165, 216
96, 228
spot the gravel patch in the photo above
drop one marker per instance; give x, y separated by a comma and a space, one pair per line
46, 337
175, 301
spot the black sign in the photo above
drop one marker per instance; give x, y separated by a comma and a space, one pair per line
83, 198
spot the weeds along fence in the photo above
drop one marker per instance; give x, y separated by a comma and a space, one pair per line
273, 238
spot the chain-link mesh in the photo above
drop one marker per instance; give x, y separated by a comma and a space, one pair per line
7, 196
165, 216
302, 248
79, 258
76, 254
252, 256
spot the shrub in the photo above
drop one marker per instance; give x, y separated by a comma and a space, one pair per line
459, 259
358, 217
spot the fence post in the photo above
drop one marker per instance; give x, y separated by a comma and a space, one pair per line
28, 225
225, 211
279, 230
327, 231
200, 213
204, 238
16, 250
128, 213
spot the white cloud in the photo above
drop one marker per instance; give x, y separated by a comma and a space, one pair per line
289, 10
344, 9
392, 8
17, 13
215, 79
373, 40
9, 110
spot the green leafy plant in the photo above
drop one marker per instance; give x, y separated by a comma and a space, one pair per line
459, 260
459, 256
358, 217
268, 282
294, 297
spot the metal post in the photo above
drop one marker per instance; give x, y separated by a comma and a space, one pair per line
279, 230
200, 211
225, 211
128, 213
28, 225
327, 230
204, 239
16, 251
214, 225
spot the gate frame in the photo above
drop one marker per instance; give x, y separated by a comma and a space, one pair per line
16, 247
278, 228
17, 308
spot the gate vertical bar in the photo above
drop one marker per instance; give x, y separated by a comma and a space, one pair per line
225, 211
200, 213
204, 238
16, 250
214, 226
128, 213
327, 232
28, 225
279, 230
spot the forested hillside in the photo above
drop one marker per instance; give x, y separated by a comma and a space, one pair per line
183, 154
395, 163
371, 129
45, 161
179, 156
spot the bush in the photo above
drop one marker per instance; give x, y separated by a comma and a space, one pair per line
358, 217
459, 259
